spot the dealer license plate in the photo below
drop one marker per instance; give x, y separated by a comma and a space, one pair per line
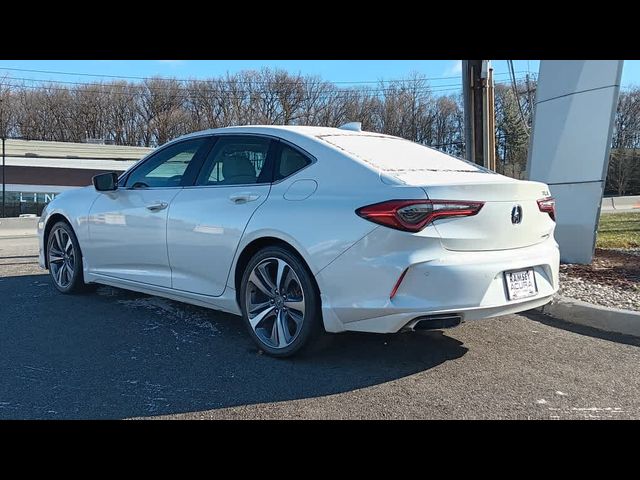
521, 284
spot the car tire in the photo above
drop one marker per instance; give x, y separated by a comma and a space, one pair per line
291, 314
64, 259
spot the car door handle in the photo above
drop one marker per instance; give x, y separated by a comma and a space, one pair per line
156, 207
245, 197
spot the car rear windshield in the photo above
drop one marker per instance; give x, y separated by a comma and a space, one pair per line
396, 154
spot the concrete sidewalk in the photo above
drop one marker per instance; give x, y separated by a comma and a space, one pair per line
621, 204
18, 227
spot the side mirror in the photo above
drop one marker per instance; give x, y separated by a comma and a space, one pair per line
106, 182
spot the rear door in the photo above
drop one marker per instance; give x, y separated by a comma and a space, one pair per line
206, 221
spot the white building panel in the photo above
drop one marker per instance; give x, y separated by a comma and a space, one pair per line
575, 106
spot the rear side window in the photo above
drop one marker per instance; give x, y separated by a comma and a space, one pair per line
236, 161
289, 162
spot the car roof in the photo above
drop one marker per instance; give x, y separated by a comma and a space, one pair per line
313, 132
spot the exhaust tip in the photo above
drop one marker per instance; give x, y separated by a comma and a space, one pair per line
435, 322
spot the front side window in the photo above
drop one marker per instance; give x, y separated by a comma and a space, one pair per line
167, 167
236, 161
290, 162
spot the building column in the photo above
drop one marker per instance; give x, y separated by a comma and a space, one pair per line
575, 106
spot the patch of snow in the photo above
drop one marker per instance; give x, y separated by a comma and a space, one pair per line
173, 310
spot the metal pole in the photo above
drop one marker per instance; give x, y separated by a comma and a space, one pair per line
4, 134
478, 90
474, 94
3, 177
468, 99
486, 144
491, 125
529, 99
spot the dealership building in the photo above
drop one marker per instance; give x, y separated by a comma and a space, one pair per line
36, 171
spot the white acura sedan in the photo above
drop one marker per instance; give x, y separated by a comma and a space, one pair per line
308, 229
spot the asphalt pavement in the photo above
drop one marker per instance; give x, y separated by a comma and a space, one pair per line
119, 354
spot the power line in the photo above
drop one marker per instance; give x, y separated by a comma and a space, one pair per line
125, 77
235, 92
233, 95
96, 84
127, 89
515, 91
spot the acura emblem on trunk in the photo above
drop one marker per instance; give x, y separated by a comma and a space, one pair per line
516, 214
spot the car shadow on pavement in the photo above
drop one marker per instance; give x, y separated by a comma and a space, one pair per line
581, 329
119, 354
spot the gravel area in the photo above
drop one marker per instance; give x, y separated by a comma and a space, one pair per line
612, 279
627, 251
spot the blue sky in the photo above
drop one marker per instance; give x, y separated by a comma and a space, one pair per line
333, 70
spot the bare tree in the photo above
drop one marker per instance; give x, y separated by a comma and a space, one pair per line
448, 120
624, 162
160, 107
7, 109
122, 113
89, 110
154, 111
317, 102
512, 139
624, 169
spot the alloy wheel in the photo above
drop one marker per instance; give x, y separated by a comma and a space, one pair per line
62, 257
275, 302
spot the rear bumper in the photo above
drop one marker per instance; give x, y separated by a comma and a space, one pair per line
395, 322
356, 286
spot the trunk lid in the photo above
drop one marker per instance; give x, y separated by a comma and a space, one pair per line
443, 177
509, 218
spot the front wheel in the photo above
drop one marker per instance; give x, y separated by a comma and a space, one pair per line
280, 302
65, 259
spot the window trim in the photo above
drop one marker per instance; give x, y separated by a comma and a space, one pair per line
197, 157
269, 159
210, 142
310, 158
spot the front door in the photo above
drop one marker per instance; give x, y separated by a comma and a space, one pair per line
206, 221
127, 227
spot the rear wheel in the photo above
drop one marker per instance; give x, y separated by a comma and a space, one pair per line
65, 259
280, 302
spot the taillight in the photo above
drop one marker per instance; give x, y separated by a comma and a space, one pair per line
414, 215
548, 205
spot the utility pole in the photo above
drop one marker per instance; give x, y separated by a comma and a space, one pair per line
2, 132
529, 100
3, 178
489, 121
479, 112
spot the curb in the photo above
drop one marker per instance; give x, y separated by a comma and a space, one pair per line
18, 227
15, 237
587, 314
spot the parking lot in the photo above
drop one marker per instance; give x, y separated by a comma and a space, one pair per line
117, 354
